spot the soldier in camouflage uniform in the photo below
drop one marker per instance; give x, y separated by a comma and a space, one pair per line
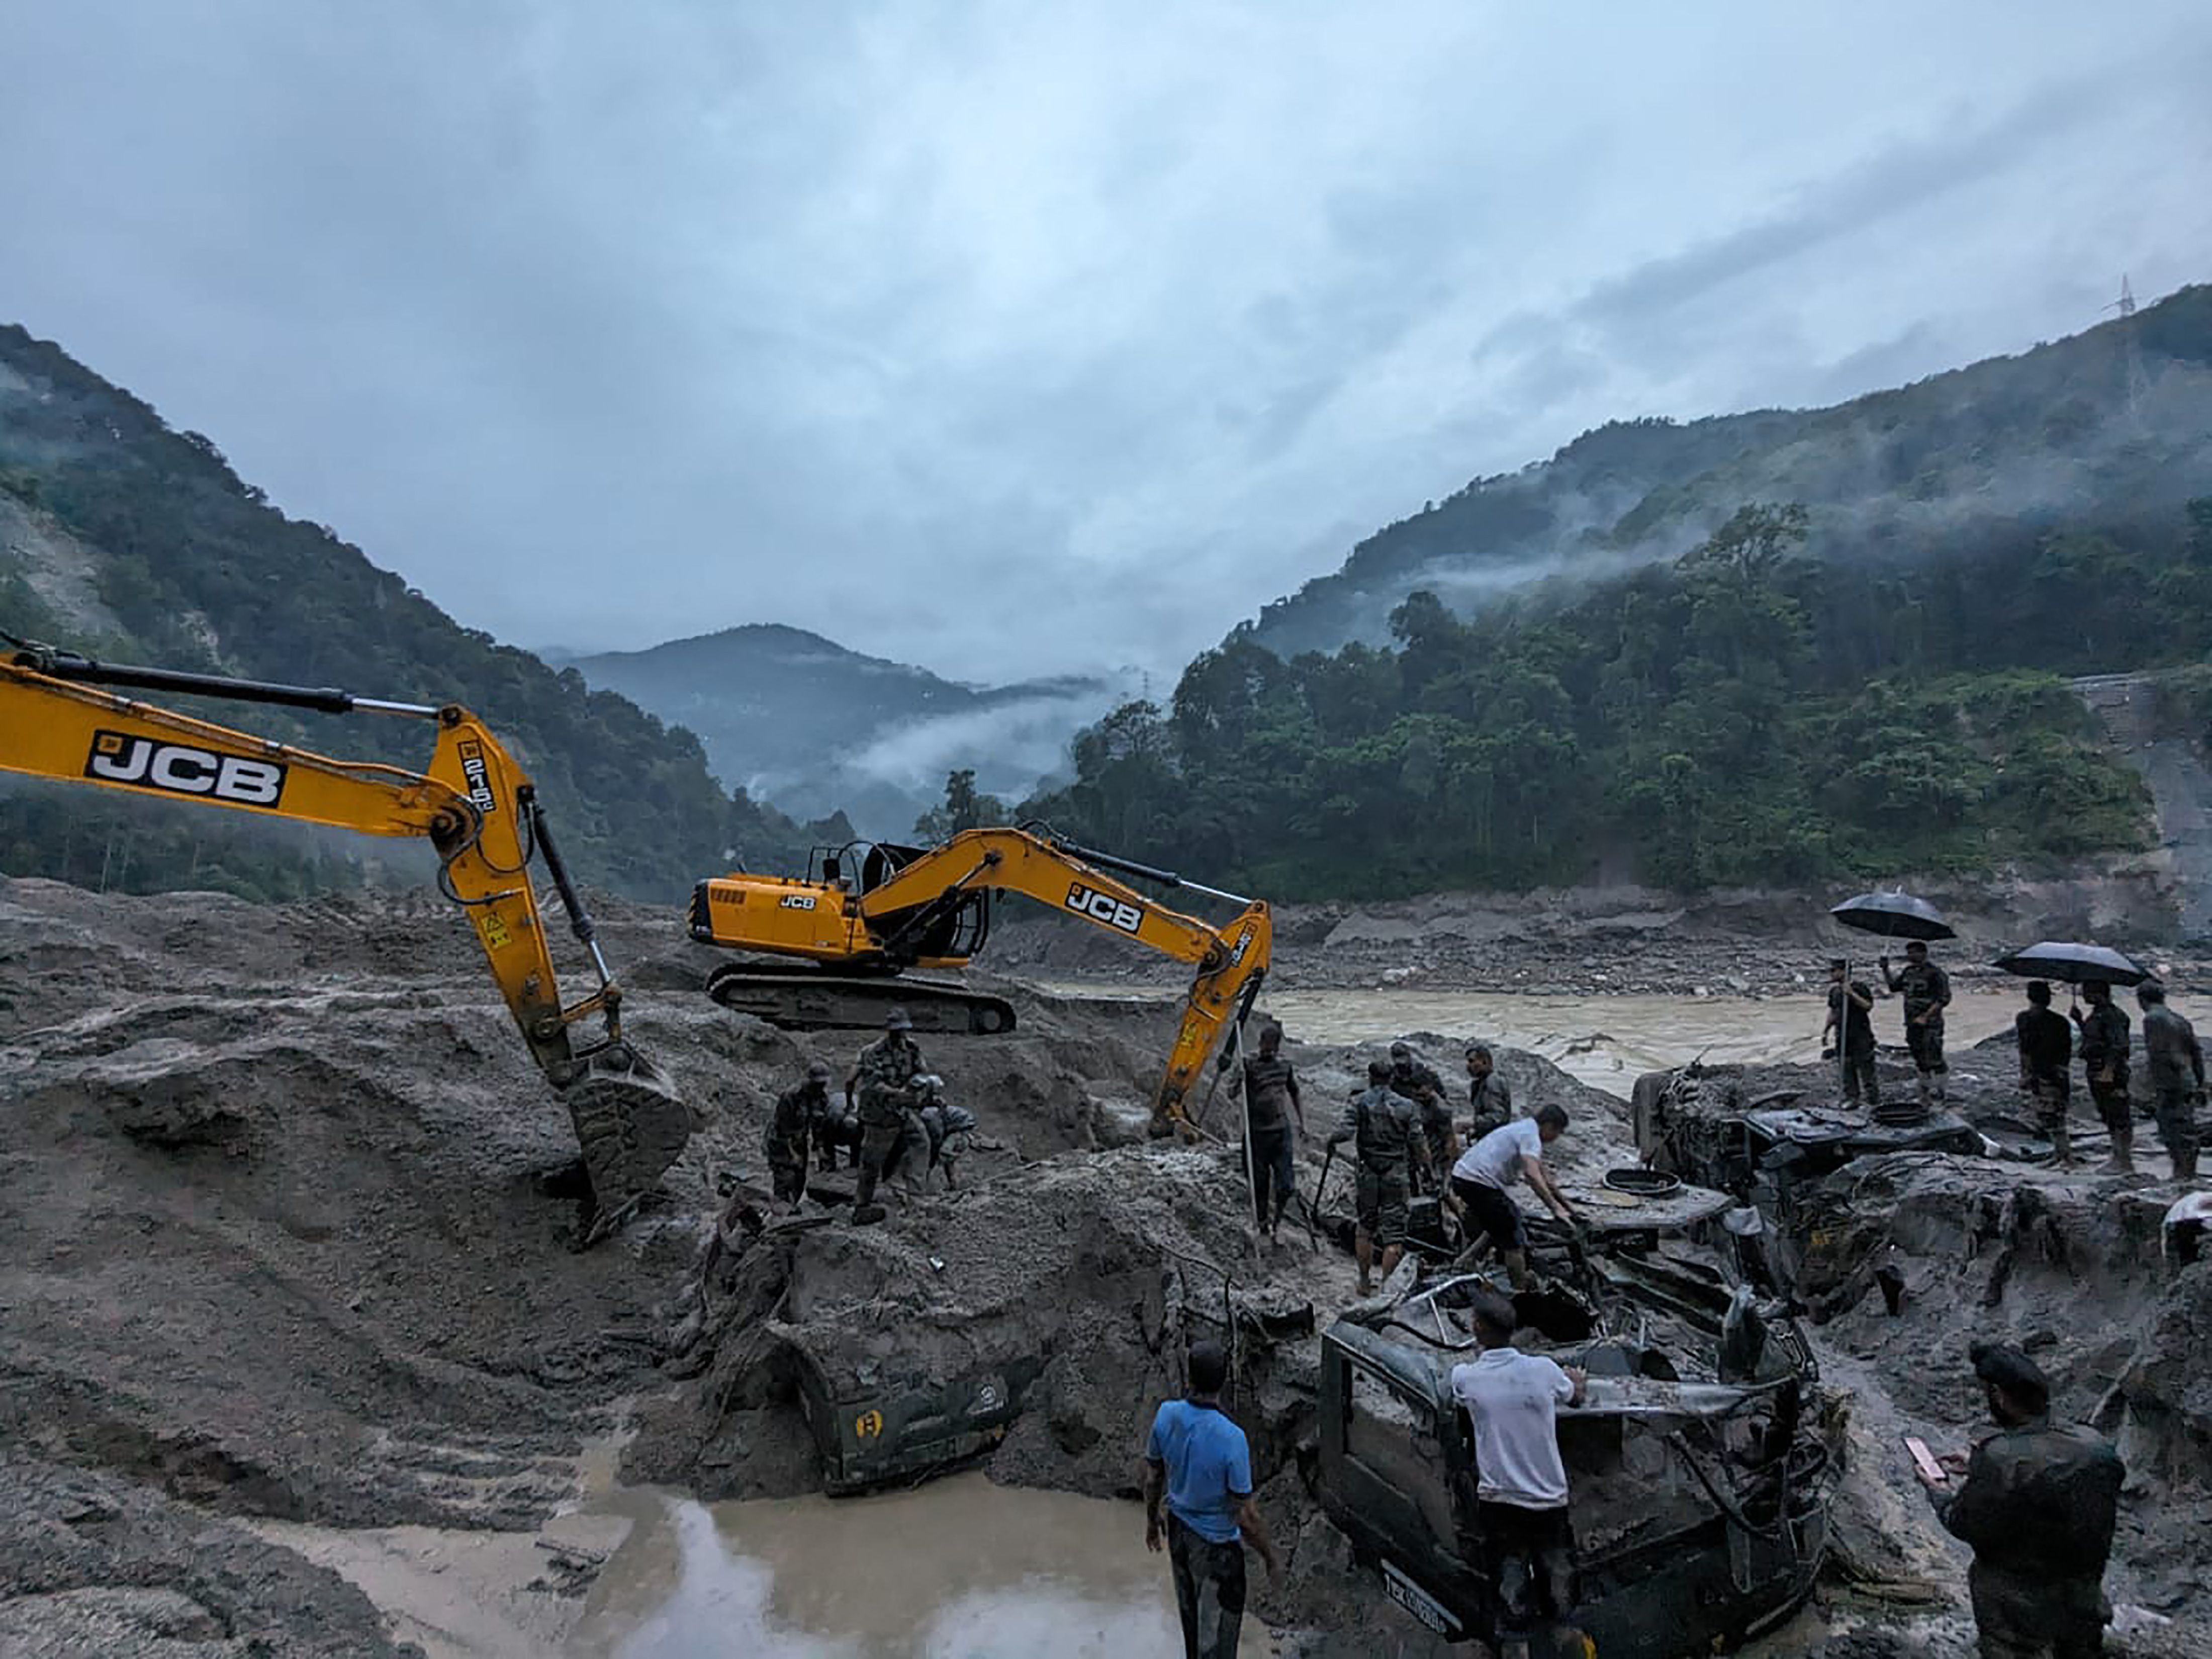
1385, 1130
2177, 1077
797, 1110
1926, 990
884, 1077
2104, 1062
1420, 1083
2037, 1504
1489, 1101
2046, 1053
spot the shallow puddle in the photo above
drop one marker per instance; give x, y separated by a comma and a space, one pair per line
958, 1569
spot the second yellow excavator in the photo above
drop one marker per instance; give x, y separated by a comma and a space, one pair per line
474, 804
840, 939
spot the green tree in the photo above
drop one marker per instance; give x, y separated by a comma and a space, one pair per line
964, 807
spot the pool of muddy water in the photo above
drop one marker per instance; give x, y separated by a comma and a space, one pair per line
958, 1569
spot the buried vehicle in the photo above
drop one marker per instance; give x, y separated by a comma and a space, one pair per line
1702, 1461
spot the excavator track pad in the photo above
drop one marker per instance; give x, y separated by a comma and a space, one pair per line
808, 1000
631, 1126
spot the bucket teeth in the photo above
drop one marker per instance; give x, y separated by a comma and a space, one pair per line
631, 1126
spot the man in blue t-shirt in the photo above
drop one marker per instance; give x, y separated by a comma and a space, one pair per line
1199, 1461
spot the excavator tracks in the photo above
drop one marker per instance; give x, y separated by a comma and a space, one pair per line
808, 1000
631, 1125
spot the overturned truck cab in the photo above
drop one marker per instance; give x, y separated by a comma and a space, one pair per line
1699, 1505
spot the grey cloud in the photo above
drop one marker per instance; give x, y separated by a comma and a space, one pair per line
1014, 340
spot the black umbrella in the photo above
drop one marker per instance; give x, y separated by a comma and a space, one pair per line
2074, 964
1894, 915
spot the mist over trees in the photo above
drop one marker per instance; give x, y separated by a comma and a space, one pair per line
1743, 714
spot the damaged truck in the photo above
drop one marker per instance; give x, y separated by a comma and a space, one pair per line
1702, 1461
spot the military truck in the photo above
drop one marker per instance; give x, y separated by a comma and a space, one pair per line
1702, 1463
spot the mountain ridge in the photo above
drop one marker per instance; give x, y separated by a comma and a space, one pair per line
797, 718
2061, 429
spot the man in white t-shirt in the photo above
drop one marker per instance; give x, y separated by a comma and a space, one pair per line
1483, 1178
1512, 1402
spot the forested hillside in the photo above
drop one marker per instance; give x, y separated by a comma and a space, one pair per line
1745, 714
2109, 427
125, 538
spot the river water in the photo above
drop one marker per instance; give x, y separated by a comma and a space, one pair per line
958, 1569
1603, 1040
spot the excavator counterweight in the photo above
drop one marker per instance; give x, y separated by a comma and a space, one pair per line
473, 803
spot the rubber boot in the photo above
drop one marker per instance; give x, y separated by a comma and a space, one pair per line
2184, 1165
2062, 1146
2122, 1160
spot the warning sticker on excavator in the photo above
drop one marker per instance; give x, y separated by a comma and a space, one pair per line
868, 1424
496, 936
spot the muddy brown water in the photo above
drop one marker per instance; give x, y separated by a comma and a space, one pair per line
1605, 1040
958, 1569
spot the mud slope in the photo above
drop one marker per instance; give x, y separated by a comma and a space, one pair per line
276, 1232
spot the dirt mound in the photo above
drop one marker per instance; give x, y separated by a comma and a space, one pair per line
94, 1564
285, 1227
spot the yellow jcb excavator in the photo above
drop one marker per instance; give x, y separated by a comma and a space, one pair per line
846, 932
478, 809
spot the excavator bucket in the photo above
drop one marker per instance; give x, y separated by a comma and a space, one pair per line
631, 1125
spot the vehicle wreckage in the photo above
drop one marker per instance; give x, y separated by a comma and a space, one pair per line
1702, 1463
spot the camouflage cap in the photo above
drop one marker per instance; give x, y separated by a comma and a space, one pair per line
818, 1072
898, 1020
1401, 1051
2005, 1367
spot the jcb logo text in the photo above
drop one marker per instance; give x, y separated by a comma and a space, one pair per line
798, 900
1104, 907
178, 768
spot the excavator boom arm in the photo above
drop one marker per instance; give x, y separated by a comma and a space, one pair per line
474, 805
1231, 961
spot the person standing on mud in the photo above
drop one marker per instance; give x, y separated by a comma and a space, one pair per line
1483, 1181
884, 1075
2104, 1063
1200, 1462
1385, 1130
2037, 1504
797, 1110
1489, 1101
1851, 1006
1420, 1083
1270, 1087
2177, 1077
1512, 1402
1926, 990
2046, 1057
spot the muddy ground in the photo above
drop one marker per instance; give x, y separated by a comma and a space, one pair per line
278, 1253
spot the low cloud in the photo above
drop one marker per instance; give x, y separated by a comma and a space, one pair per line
1016, 341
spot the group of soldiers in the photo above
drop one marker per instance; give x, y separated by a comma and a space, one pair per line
2171, 1054
2048, 1047
1406, 1142
895, 1124
1925, 991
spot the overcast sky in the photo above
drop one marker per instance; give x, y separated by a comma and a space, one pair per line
1006, 338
